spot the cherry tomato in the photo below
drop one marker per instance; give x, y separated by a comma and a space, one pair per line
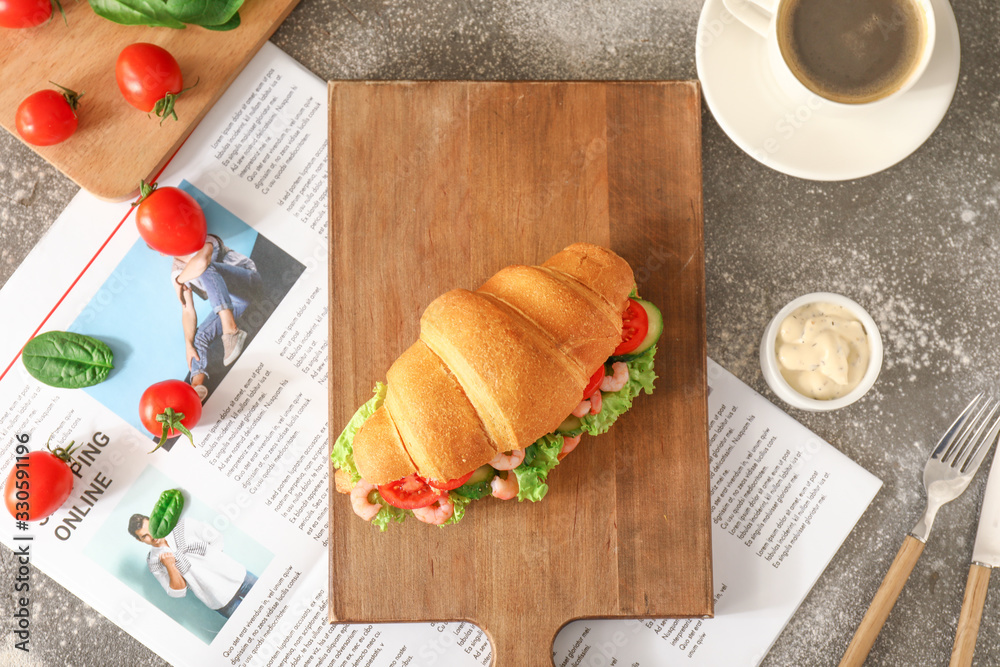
24, 13
635, 325
47, 117
170, 408
595, 382
36, 490
170, 221
451, 483
149, 78
410, 493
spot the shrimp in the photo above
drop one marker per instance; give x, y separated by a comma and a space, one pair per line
508, 460
596, 403
363, 507
505, 489
437, 512
569, 444
342, 481
583, 409
616, 381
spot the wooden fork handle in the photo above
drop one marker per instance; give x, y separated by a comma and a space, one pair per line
883, 602
972, 613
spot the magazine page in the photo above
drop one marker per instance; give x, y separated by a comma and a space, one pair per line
241, 577
783, 501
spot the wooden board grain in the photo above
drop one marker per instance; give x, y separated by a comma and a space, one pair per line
438, 185
116, 145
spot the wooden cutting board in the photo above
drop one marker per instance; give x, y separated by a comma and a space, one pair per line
438, 185
116, 145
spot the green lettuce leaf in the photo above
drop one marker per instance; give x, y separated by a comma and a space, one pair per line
343, 449
539, 459
641, 376
460, 503
388, 514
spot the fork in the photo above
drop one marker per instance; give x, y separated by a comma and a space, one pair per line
951, 466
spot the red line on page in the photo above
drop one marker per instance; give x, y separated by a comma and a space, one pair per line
77, 279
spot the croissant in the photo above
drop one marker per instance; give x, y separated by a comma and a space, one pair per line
496, 369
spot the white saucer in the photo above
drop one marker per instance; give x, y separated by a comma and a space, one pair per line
807, 137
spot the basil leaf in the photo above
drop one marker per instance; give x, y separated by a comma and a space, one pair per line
136, 12
231, 24
67, 360
202, 12
166, 513
212, 14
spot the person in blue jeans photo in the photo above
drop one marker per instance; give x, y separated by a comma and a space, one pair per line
228, 281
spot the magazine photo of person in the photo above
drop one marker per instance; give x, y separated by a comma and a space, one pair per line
191, 558
229, 281
198, 574
190, 317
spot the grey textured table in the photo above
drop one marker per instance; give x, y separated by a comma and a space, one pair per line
916, 244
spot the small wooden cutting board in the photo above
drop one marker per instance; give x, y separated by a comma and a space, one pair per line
438, 185
116, 145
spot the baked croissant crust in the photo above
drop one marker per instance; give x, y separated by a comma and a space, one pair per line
498, 368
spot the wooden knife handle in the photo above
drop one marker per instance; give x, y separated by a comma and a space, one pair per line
883, 602
972, 613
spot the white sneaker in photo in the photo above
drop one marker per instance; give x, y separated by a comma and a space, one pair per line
232, 346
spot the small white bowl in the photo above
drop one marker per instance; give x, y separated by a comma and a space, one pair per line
769, 358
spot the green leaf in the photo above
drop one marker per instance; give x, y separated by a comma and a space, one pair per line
343, 449
166, 513
67, 360
460, 503
136, 12
231, 24
388, 514
212, 14
203, 12
539, 459
614, 405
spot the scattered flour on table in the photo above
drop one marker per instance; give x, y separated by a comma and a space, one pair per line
925, 281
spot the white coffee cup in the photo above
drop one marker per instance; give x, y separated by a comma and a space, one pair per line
762, 16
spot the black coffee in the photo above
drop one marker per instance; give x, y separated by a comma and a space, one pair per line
851, 51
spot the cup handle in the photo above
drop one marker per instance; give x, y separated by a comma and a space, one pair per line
754, 14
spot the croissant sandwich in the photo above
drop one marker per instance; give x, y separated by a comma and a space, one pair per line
501, 385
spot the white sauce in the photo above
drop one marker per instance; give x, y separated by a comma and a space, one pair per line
822, 350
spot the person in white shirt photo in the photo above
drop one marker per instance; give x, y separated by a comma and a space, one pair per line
191, 557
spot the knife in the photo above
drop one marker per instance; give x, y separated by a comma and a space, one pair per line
985, 556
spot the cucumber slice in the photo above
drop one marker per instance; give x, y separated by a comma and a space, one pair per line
478, 485
484, 473
652, 334
571, 426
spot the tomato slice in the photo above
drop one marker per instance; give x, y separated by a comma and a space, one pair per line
595, 382
635, 325
451, 483
409, 493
